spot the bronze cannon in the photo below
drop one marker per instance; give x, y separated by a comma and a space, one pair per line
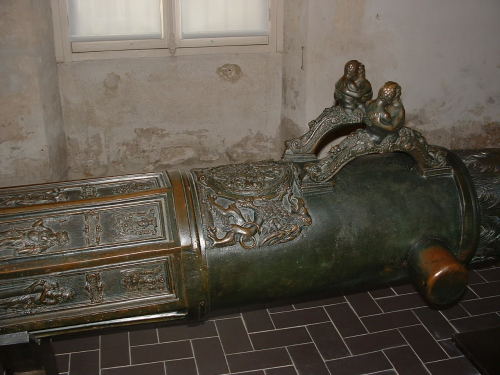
383, 206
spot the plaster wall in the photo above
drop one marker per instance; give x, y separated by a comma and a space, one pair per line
149, 114
294, 72
32, 143
144, 114
445, 54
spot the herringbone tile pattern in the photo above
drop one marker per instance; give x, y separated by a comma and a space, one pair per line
384, 331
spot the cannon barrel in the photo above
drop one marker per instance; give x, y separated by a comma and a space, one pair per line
377, 223
82, 254
381, 207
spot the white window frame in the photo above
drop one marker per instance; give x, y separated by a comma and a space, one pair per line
171, 42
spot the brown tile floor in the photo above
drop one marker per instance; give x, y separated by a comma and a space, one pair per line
384, 331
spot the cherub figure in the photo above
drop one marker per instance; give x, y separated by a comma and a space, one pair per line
364, 86
386, 113
396, 109
353, 90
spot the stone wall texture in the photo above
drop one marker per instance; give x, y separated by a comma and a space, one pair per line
32, 141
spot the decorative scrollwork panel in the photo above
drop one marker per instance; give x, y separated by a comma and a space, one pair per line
86, 288
110, 225
252, 204
78, 190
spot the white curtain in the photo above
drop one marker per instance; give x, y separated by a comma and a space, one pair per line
220, 18
92, 20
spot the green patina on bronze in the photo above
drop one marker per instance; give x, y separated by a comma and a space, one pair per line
382, 206
360, 233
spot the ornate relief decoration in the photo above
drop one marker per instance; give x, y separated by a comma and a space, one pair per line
32, 240
248, 179
140, 223
114, 224
78, 190
230, 72
88, 192
251, 204
352, 91
383, 119
94, 286
384, 133
135, 186
144, 279
71, 290
31, 198
41, 293
92, 229
484, 169
331, 119
363, 143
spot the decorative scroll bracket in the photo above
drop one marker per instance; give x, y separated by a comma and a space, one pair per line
332, 119
384, 132
431, 160
352, 91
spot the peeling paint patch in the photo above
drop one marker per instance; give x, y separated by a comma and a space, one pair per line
111, 82
150, 133
253, 147
230, 72
35, 171
13, 132
477, 110
288, 129
155, 149
176, 155
88, 157
467, 135
209, 156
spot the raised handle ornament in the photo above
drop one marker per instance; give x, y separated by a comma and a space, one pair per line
382, 131
352, 91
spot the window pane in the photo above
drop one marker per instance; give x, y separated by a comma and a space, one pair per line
220, 18
114, 19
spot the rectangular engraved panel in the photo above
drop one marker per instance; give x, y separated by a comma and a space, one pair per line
114, 224
83, 189
97, 286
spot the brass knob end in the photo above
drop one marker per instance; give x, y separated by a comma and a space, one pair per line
437, 274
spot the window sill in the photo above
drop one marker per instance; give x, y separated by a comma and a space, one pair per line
165, 52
